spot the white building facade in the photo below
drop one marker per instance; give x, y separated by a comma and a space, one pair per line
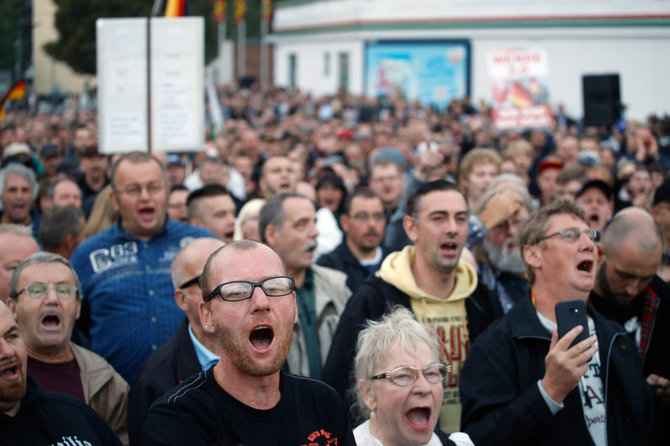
320, 45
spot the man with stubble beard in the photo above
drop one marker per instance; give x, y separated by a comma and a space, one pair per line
249, 304
628, 291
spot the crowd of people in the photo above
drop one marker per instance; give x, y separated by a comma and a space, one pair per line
335, 270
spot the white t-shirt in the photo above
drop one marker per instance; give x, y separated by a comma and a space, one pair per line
591, 391
363, 437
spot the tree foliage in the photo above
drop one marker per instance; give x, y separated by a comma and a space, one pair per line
15, 19
75, 23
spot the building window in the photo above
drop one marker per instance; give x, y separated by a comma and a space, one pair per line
343, 77
292, 66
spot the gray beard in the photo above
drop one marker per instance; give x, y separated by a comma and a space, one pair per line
504, 259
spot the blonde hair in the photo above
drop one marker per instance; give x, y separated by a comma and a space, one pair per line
376, 340
250, 207
103, 214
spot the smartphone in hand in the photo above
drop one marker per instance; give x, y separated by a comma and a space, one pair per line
568, 316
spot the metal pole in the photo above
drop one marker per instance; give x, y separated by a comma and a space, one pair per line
265, 62
241, 48
149, 84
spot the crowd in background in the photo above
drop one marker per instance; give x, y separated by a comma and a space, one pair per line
362, 162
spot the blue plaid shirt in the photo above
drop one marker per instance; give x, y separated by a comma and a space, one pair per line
128, 307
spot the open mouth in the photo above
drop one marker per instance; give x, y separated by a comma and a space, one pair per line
450, 247
9, 372
419, 418
585, 266
147, 213
50, 321
261, 337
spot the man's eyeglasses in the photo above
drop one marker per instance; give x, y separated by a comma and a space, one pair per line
241, 290
40, 290
571, 235
363, 217
135, 190
405, 376
188, 283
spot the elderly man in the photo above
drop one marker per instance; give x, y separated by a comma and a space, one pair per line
64, 192
287, 224
22, 245
250, 307
45, 299
17, 184
30, 416
628, 291
62, 229
360, 254
212, 207
124, 270
499, 263
523, 385
191, 350
433, 281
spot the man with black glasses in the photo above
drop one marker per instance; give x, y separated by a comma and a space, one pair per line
249, 305
45, 298
522, 385
190, 351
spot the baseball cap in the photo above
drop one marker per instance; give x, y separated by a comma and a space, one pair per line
17, 148
90, 151
598, 184
549, 162
174, 160
48, 150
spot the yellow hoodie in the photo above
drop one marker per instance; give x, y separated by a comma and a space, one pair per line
447, 317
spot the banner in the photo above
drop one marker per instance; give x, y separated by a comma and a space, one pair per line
519, 84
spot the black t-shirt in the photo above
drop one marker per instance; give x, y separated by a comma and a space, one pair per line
48, 418
200, 412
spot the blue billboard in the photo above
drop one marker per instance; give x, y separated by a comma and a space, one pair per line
434, 72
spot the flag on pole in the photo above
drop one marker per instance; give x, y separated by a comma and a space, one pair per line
220, 10
266, 6
175, 8
17, 91
240, 10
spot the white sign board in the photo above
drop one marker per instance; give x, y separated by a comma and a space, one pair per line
177, 92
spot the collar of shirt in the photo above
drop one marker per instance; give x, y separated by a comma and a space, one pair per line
206, 358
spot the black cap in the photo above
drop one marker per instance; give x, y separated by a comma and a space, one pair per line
662, 194
598, 184
48, 150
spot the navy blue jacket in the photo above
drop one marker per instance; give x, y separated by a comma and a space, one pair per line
502, 404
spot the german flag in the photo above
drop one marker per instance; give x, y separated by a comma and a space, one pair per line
175, 8
18, 91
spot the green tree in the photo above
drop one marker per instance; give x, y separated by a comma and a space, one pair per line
15, 26
75, 22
